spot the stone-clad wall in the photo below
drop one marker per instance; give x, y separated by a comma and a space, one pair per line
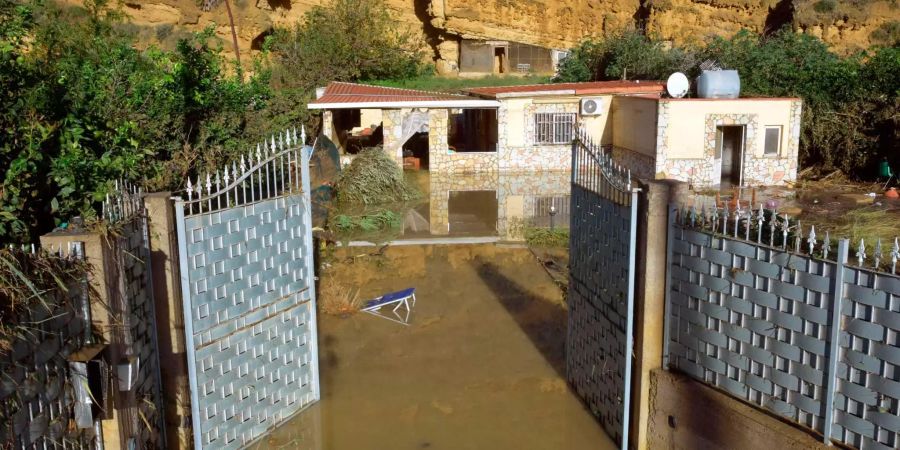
533, 157
766, 170
440, 159
758, 169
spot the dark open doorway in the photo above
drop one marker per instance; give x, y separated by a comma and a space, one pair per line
499, 59
730, 148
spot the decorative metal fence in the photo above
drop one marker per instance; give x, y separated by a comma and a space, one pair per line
40, 396
246, 258
133, 345
771, 313
603, 233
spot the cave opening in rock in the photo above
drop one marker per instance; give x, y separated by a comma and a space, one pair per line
260, 39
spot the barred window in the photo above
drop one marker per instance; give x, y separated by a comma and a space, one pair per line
542, 209
553, 128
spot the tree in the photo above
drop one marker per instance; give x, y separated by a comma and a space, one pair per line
208, 5
349, 40
629, 55
83, 107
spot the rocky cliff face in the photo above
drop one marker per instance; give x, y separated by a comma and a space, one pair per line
847, 25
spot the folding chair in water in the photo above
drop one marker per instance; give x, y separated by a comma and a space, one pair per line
398, 299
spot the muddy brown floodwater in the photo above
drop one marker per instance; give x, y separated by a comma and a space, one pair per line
480, 367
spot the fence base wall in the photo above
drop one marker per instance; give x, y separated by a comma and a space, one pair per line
686, 414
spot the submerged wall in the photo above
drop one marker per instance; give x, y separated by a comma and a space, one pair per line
685, 414
686, 139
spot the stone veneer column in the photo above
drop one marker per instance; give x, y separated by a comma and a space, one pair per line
438, 207
392, 132
662, 138
438, 159
793, 153
328, 124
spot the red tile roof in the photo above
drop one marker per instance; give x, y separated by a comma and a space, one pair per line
339, 92
593, 87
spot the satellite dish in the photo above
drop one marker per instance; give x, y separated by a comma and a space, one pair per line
677, 85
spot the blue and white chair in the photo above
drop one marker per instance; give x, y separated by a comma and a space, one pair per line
398, 299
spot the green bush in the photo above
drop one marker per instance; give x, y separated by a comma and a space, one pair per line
629, 55
82, 107
547, 237
825, 6
887, 34
349, 40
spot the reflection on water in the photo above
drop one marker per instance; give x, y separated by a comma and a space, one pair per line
480, 367
488, 204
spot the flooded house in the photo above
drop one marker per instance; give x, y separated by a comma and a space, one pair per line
707, 142
508, 149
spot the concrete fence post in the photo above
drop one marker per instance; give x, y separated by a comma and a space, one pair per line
169, 318
652, 249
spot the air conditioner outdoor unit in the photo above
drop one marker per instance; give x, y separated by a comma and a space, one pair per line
591, 106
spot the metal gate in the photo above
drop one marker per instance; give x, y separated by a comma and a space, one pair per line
601, 286
246, 259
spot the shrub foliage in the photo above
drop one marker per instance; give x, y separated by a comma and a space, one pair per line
82, 106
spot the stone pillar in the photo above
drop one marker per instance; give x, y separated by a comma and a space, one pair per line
328, 124
438, 159
103, 279
650, 293
438, 207
392, 132
169, 318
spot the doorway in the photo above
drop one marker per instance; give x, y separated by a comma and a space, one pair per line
499, 60
730, 149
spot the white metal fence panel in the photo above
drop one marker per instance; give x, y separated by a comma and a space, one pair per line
787, 322
245, 245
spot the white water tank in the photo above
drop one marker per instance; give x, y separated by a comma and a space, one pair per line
719, 84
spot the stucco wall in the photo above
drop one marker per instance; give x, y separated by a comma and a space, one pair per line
686, 139
634, 124
369, 117
686, 414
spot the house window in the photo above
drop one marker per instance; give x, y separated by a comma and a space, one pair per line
553, 128
773, 140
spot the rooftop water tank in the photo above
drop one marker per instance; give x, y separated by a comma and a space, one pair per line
719, 84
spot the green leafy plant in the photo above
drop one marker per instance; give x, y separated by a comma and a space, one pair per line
547, 237
348, 40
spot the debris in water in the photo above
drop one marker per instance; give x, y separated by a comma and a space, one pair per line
398, 299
